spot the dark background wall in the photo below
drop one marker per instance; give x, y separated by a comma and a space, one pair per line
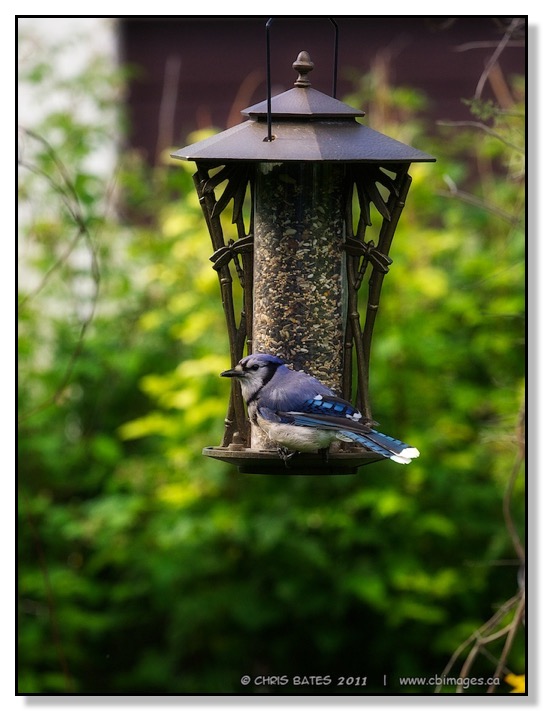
196, 72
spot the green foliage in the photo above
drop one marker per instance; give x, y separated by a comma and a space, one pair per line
147, 568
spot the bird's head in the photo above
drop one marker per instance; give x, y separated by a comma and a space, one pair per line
254, 371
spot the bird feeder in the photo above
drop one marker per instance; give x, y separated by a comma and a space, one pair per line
300, 181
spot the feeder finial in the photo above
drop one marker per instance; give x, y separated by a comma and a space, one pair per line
303, 65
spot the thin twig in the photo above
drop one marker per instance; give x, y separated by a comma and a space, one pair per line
515, 23
467, 46
477, 649
508, 643
486, 129
168, 103
49, 273
67, 190
511, 528
470, 199
478, 634
466, 667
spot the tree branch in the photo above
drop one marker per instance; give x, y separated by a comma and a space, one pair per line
515, 23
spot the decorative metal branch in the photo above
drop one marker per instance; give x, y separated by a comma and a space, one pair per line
237, 180
360, 255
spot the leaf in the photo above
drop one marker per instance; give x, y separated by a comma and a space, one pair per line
518, 682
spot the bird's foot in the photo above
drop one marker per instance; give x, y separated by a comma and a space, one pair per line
325, 454
286, 455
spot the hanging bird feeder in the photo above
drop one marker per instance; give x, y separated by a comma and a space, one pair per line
301, 181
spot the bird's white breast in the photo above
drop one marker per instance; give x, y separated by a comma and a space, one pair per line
295, 437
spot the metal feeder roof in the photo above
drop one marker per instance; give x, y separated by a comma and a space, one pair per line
307, 125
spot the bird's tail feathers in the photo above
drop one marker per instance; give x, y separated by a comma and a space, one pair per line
383, 444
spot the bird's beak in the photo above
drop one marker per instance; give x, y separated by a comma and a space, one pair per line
234, 373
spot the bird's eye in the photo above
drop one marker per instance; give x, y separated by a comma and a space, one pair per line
255, 367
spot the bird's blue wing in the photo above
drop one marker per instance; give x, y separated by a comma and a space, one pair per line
331, 413
327, 405
328, 412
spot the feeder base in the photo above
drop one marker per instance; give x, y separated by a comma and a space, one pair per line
250, 461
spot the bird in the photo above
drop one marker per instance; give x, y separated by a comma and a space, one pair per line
298, 413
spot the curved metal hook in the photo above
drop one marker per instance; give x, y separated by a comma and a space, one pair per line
270, 137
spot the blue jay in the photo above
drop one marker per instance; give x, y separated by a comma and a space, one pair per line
300, 414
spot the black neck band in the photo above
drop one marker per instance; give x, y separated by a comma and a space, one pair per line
272, 367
